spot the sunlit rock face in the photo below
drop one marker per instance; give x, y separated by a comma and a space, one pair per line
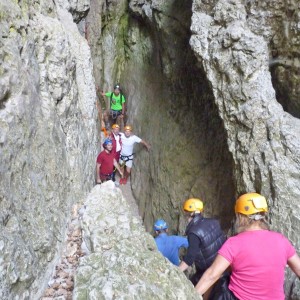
48, 140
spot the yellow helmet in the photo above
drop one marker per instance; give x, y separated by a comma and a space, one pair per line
193, 204
251, 203
128, 127
115, 126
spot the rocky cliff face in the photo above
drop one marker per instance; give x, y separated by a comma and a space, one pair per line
48, 136
211, 85
262, 138
220, 118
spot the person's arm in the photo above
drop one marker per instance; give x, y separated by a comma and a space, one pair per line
123, 108
98, 172
118, 167
212, 274
192, 251
182, 241
185, 242
294, 264
145, 144
183, 266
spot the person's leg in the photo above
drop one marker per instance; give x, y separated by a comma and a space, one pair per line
122, 166
127, 171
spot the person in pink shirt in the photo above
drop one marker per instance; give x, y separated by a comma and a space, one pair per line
257, 256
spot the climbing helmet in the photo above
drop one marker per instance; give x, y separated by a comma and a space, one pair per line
160, 225
128, 127
251, 203
193, 205
115, 126
107, 141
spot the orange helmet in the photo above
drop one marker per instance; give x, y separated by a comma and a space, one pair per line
115, 126
128, 127
251, 203
192, 205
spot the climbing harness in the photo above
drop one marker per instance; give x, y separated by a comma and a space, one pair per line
115, 113
126, 158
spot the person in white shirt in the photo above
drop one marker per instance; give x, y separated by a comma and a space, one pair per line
128, 140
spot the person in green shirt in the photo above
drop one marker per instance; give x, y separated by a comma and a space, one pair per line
117, 107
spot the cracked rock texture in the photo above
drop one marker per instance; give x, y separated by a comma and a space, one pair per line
123, 262
211, 85
47, 138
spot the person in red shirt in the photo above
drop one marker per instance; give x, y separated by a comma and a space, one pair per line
106, 162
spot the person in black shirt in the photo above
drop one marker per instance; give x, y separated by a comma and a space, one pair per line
205, 238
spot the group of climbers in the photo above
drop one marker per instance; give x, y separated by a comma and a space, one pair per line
118, 146
249, 265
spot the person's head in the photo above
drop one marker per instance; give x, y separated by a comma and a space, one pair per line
115, 128
107, 144
251, 209
160, 226
117, 89
192, 207
127, 130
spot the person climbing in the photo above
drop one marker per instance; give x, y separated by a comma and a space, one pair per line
126, 157
116, 110
257, 256
106, 162
117, 144
168, 245
205, 238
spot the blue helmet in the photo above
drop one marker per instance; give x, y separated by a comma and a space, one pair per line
160, 225
107, 141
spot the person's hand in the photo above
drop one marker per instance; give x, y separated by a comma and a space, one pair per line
121, 116
98, 181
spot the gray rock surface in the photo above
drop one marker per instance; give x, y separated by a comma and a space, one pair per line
263, 139
123, 262
171, 106
204, 82
47, 136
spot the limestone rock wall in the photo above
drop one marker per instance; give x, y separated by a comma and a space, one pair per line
263, 139
278, 22
123, 262
48, 140
216, 116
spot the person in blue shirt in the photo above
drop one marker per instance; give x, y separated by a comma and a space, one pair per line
168, 245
